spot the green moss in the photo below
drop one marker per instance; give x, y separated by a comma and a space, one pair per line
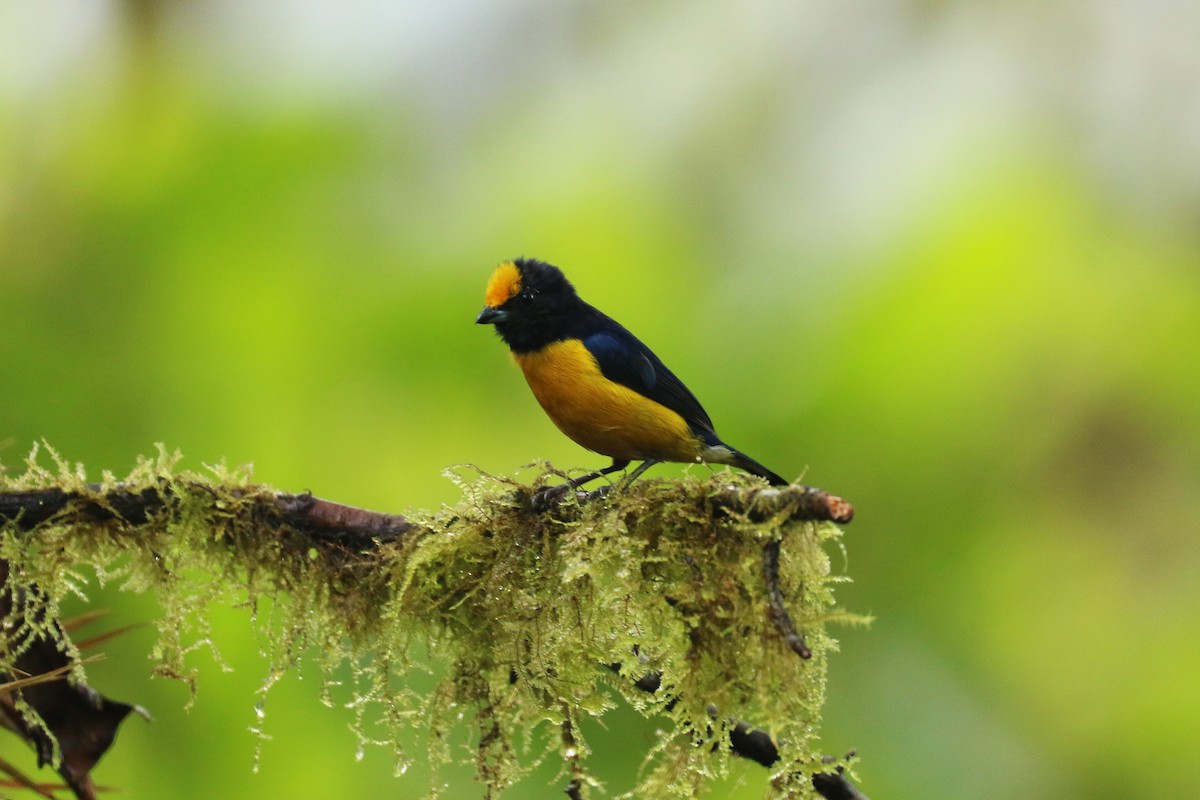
520, 611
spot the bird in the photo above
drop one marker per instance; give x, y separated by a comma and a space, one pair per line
597, 382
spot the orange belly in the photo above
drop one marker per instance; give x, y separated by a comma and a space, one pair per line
599, 414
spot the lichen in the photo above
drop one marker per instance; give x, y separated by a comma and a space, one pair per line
525, 616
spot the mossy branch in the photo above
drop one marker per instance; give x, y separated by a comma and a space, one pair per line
711, 585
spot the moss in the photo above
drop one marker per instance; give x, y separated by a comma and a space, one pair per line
521, 611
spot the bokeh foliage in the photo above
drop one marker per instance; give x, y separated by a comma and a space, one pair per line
941, 255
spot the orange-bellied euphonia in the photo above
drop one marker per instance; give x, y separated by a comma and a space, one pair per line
599, 384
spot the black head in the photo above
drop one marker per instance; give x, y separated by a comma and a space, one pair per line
531, 303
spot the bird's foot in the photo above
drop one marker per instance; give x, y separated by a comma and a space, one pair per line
601, 493
544, 498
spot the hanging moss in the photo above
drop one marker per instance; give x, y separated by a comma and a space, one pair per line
523, 613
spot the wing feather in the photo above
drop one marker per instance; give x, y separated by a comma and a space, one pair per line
625, 360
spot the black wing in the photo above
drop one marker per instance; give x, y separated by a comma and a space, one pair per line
625, 360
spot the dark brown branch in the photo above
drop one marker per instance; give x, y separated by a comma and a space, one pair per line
798, 501
327, 522
835, 786
348, 525
755, 745
355, 527
31, 508
574, 789
342, 528
779, 612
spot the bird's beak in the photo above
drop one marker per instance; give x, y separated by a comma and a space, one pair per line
490, 316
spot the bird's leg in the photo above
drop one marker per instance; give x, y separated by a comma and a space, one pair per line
633, 476
617, 465
645, 465
550, 494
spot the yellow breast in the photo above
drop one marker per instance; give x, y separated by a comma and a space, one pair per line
599, 414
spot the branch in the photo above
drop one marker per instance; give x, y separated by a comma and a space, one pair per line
516, 605
757, 746
797, 501
350, 526
779, 612
325, 521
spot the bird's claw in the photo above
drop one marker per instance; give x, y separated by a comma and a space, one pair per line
548, 496
601, 493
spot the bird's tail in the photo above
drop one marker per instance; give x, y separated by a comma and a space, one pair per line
743, 461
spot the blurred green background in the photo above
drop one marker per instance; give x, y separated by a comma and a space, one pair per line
941, 258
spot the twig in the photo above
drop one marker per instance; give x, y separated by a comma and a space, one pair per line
349, 525
835, 786
779, 612
326, 521
755, 745
574, 789
798, 501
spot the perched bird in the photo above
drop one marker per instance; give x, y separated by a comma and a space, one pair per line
599, 384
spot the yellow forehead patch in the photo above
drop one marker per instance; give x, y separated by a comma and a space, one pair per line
505, 282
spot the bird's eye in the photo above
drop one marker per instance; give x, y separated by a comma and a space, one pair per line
528, 295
